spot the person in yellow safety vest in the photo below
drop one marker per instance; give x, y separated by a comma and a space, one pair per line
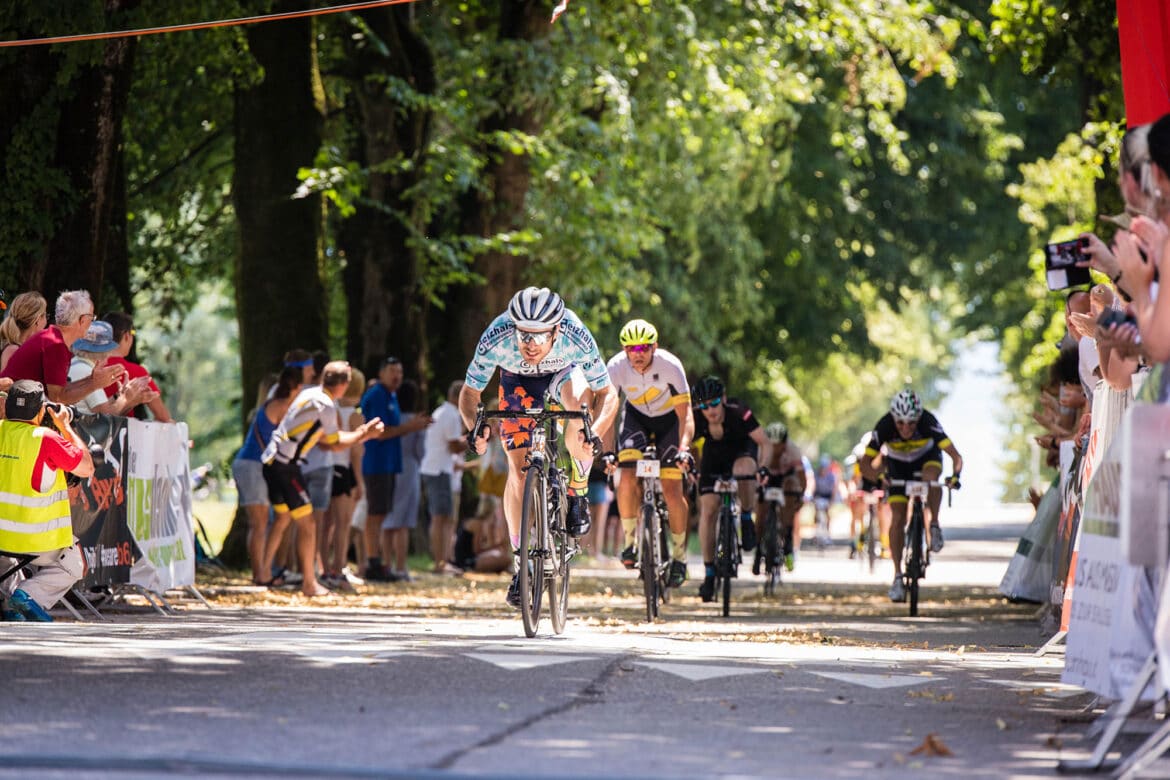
34, 501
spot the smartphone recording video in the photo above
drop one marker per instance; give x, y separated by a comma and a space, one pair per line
1060, 265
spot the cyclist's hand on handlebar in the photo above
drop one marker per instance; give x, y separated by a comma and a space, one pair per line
591, 446
609, 460
478, 444
953, 482
685, 461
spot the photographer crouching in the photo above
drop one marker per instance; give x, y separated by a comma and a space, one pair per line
34, 501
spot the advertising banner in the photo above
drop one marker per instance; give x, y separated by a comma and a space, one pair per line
98, 504
158, 490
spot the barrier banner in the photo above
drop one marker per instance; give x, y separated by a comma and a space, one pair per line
158, 492
1114, 604
1029, 574
1068, 528
98, 504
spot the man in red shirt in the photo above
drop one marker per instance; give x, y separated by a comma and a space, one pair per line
35, 502
124, 334
44, 357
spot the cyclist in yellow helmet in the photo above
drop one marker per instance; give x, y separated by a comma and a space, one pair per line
657, 410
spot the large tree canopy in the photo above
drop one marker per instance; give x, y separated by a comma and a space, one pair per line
817, 200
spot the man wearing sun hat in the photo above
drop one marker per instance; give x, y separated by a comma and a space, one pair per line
90, 354
34, 501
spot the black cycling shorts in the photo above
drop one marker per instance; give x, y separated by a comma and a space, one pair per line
901, 469
640, 430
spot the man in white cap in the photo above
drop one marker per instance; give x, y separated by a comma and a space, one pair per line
89, 355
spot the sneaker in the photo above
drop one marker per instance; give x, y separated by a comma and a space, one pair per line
747, 533
897, 590
12, 616
707, 589
936, 538
22, 603
630, 557
756, 562
513, 597
678, 574
789, 562
578, 522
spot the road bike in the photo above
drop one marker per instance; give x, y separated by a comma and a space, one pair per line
653, 539
727, 552
776, 541
546, 548
871, 530
821, 537
916, 554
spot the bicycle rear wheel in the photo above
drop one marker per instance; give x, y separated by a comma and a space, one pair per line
914, 566
871, 538
664, 555
533, 532
558, 584
771, 550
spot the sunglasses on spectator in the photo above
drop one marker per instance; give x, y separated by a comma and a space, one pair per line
539, 339
639, 347
713, 403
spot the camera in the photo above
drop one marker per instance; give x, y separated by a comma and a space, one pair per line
1115, 317
61, 409
1060, 264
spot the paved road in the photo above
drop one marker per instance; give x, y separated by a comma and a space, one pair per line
828, 680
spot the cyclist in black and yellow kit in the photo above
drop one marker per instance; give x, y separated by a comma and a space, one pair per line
914, 442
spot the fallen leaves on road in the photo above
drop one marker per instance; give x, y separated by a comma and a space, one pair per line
932, 746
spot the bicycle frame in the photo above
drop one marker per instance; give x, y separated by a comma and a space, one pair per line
916, 555
546, 547
652, 557
771, 543
727, 553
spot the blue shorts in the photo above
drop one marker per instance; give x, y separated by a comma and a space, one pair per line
440, 500
320, 485
250, 484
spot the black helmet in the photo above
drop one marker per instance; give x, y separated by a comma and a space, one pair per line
706, 388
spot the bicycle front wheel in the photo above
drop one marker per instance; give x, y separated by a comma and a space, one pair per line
727, 544
770, 550
533, 532
649, 564
914, 568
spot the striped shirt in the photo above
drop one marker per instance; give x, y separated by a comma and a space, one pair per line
311, 418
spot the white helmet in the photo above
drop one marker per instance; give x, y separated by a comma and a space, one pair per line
906, 408
536, 308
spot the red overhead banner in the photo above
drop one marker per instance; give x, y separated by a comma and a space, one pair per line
1143, 27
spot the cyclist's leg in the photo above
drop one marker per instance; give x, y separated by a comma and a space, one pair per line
747, 489
631, 442
570, 387
897, 530
665, 431
676, 507
931, 471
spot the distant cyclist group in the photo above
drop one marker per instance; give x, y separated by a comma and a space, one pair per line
547, 358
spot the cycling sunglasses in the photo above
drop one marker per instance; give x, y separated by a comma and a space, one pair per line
638, 347
712, 404
539, 339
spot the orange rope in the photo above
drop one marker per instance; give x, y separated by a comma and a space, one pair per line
201, 25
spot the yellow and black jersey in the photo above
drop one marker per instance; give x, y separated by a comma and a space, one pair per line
928, 436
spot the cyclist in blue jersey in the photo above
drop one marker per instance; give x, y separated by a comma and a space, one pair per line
543, 351
913, 442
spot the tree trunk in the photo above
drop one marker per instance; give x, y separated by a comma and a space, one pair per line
500, 206
280, 296
76, 130
387, 312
